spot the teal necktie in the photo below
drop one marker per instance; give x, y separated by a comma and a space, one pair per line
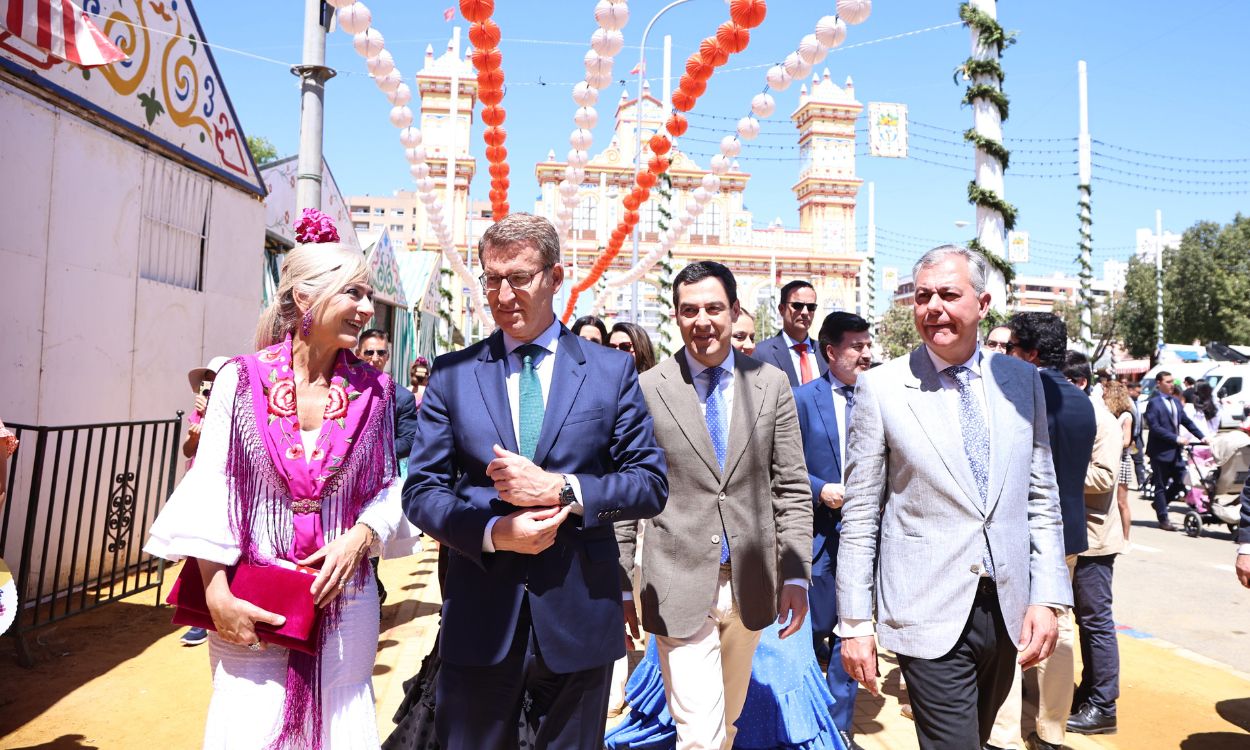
531, 397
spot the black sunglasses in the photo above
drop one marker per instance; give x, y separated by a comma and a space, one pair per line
375, 352
798, 306
625, 346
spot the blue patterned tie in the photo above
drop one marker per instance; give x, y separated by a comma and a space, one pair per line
718, 429
976, 443
531, 409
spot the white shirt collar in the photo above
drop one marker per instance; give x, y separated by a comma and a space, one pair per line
973, 363
697, 368
547, 339
791, 342
838, 385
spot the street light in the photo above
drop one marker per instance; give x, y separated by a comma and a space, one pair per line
642, 75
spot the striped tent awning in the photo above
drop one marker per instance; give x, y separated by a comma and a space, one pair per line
60, 28
1132, 366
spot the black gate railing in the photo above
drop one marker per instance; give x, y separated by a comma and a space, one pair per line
81, 500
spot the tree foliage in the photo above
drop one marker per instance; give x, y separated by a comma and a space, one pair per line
262, 150
765, 327
897, 332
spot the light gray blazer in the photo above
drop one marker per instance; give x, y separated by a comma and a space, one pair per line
909, 485
762, 499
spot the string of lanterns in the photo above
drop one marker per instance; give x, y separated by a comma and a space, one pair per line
487, 60
829, 33
355, 18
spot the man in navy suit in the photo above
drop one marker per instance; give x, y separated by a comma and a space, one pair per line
824, 407
1165, 445
793, 349
530, 444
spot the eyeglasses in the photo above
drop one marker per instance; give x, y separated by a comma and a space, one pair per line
625, 346
798, 306
375, 352
519, 281
998, 346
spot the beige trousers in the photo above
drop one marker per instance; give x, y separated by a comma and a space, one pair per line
1055, 686
706, 675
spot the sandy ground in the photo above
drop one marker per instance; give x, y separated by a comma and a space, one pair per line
117, 678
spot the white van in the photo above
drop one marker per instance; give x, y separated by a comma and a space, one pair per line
1180, 371
1231, 384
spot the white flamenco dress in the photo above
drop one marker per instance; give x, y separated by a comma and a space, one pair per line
249, 687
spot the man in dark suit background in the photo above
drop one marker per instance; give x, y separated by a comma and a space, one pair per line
824, 407
1165, 445
793, 349
530, 444
1041, 339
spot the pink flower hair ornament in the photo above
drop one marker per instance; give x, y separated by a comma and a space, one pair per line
315, 227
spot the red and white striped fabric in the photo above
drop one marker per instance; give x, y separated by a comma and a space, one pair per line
60, 28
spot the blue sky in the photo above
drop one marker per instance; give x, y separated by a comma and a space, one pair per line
1165, 78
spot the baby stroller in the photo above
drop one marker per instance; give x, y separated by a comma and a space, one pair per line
1217, 472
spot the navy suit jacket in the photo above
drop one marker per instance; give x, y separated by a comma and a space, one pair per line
775, 352
597, 427
818, 420
1161, 443
405, 421
1070, 418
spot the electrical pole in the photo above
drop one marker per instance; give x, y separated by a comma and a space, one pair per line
313, 75
1084, 170
1159, 280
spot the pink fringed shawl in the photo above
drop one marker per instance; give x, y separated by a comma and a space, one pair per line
278, 494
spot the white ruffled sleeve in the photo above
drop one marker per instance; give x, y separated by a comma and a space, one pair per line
195, 522
397, 537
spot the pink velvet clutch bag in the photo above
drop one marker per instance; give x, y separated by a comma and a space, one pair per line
274, 588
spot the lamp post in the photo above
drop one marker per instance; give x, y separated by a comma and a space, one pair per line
642, 76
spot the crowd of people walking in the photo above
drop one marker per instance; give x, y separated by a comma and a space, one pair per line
767, 513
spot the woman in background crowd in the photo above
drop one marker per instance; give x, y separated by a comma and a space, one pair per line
743, 338
590, 328
1115, 396
633, 339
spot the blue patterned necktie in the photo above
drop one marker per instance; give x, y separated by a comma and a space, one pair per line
531, 409
848, 392
718, 429
976, 442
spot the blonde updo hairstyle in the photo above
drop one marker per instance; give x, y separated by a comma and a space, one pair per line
314, 272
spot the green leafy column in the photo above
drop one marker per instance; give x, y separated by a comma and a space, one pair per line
984, 73
667, 338
1087, 272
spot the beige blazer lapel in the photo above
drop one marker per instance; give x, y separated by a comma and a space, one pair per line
749, 399
680, 397
924, 396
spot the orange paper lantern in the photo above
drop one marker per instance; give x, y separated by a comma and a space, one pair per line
490, 78
658, 165
503, 210
732, 37
493, 116
501, 183
676, 127
489, 58
631, 218
630, 202
748, 13
499, 170
692, 87
699, 69
476, 11
682, 102
496, 154
495, 136
712, 52
496, 196
646, 180
659, 145
484, 34
490, 96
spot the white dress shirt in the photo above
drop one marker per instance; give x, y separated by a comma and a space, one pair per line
839, 412
794, 356
545, 367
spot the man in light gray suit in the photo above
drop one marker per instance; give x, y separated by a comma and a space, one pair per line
951, 532
734, 546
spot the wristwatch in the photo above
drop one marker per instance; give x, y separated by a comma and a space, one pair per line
567, 495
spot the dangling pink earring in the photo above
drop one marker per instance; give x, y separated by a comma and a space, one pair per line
305, 326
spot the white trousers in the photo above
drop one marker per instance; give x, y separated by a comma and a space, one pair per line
706, 676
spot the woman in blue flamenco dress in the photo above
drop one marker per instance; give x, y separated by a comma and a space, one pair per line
787, 706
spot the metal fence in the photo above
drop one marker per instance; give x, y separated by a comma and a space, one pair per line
81, 500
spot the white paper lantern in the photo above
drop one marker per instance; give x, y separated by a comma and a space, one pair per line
811, 50
420, 170
607, 42
611, 16
380, 65
400, 96
586, 118
584, 95
354, 18
719, 164
577, 158
777, 77
730, 146
700, 195
831, 31
596, 64
340, 3
416, 155
854, 11
748, 128
369, 43
425, 185
389, 82
694, 208
570, 200
795, 67
401, 117
581, 139
601, 81
410, 137
563, 213
574, 174
763, 105
567, 188
428, 198
710, 183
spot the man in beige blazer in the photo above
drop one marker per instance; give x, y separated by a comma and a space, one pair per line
733, 548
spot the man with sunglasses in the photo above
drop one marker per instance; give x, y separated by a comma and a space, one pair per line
793, 350
998, 340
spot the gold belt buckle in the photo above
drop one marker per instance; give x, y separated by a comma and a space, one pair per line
304, 506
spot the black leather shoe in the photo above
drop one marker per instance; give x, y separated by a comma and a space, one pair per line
1091, 720
1037, 743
